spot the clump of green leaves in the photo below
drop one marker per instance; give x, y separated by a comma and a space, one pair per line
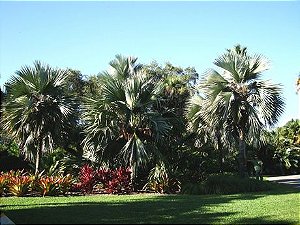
226, 184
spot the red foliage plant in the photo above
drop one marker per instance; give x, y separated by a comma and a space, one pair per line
112, 181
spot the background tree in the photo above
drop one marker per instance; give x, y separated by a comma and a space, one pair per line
206, 132
76, 87
281, 151
180, 157
36, 110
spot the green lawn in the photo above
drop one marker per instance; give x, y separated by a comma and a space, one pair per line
281, 206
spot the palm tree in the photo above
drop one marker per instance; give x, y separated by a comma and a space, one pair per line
123, 112
36, 109
238, 99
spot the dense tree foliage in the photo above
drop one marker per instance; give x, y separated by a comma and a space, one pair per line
161, 121
281, 151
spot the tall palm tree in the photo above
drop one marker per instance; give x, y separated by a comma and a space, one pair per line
238, 99
123, 113
36, 109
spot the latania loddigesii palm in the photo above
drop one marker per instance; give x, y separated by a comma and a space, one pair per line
36, 110
236, 98
124, 112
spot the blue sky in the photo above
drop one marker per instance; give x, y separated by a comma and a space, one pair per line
87, 35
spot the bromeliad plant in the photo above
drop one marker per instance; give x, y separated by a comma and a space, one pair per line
54, 185
3, 183
158, 179
19, 183
160, 182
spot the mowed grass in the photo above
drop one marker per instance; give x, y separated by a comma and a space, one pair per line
281, 206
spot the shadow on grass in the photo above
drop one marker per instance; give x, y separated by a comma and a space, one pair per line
144, 209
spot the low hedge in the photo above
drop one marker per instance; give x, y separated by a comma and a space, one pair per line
226, 184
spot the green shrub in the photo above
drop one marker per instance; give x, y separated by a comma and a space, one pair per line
158, 179
160, 182
192, 189
226, 184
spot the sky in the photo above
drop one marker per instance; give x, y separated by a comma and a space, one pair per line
86, 36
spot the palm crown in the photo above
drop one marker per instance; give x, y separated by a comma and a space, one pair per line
244, 103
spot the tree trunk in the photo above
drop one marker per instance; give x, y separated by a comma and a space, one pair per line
242, 159
221, 161
221, 155
38, 154
132, 175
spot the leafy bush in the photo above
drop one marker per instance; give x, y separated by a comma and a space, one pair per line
7, 144
193, 189
87, 179
288, 159
226, 184
119, 182
112, 181
281, 151
159, 181
11, 162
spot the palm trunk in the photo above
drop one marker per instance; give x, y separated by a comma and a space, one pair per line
221, 161
132, 171
242, 156
38, 154
221, 155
